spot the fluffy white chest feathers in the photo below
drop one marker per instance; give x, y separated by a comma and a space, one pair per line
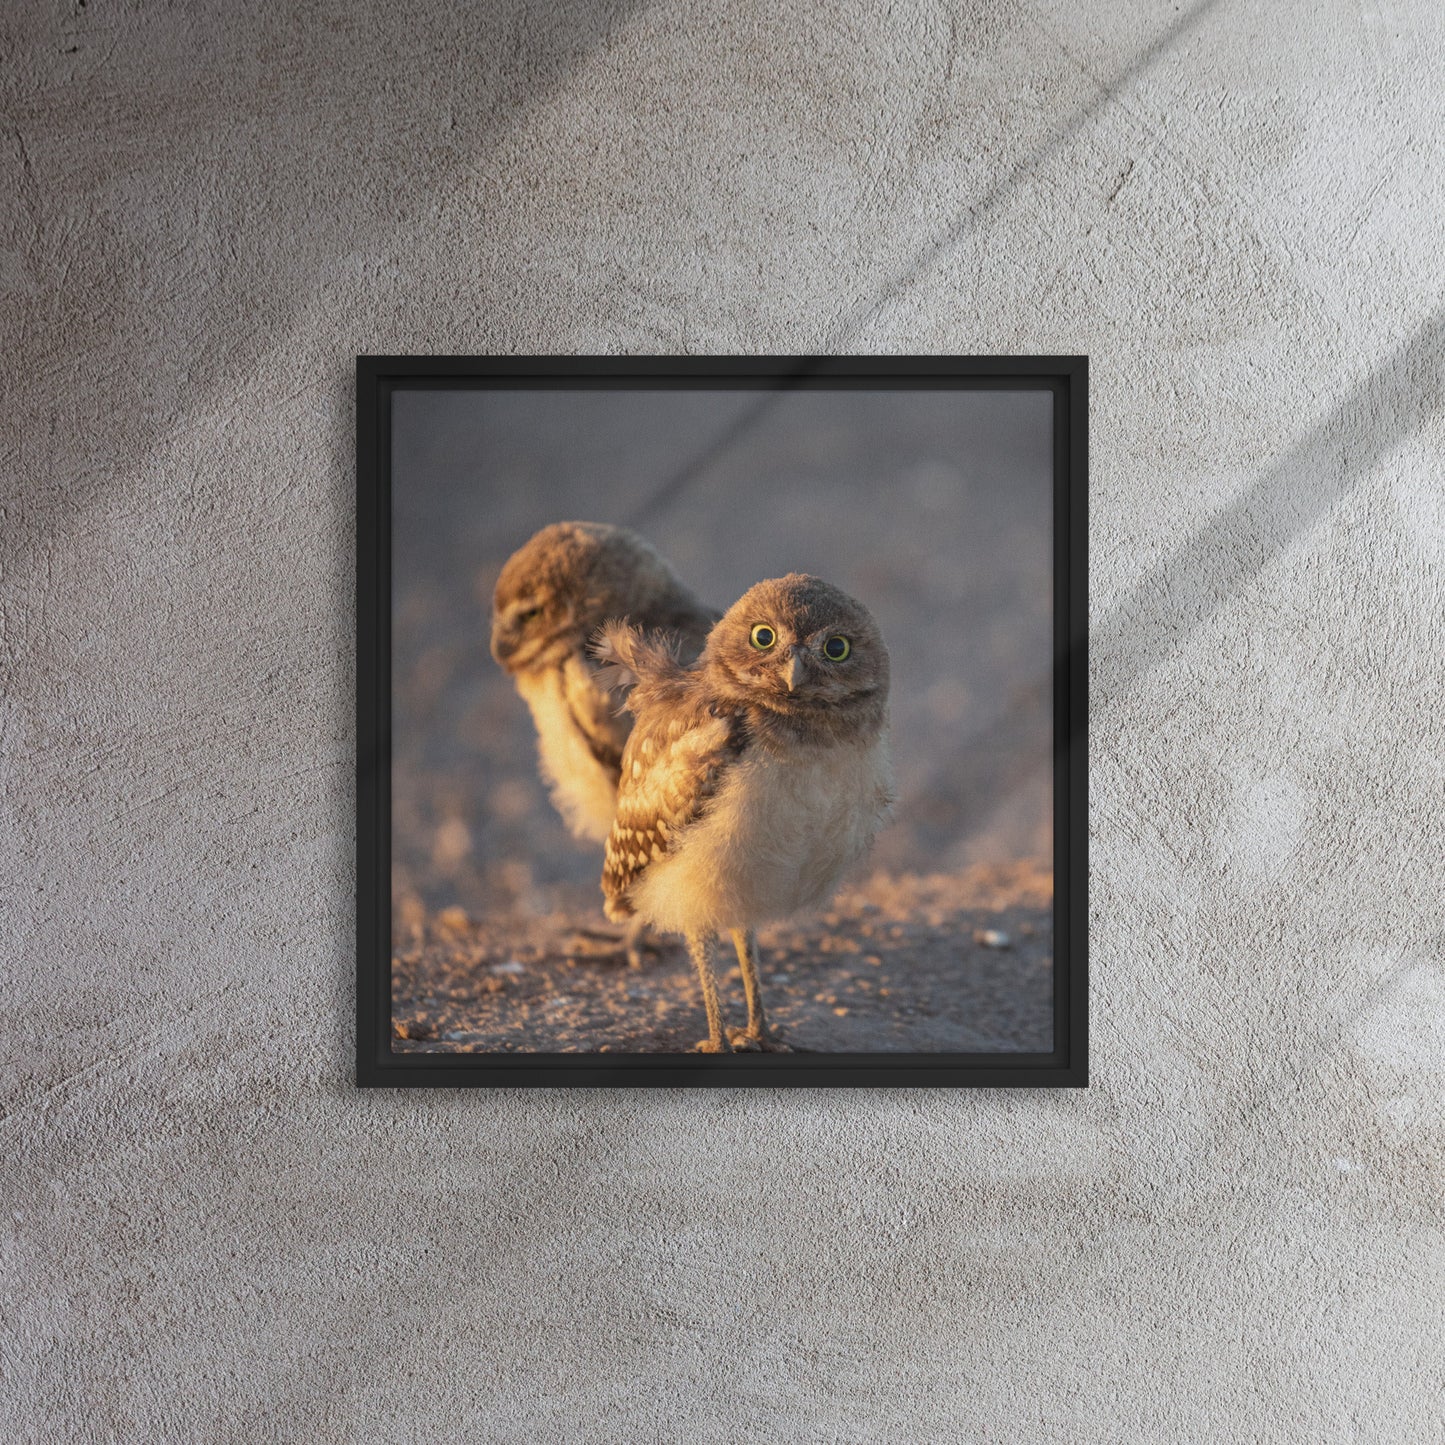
582, 787
778, 837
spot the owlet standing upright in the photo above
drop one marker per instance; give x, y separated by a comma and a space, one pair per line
753, 780
553, 593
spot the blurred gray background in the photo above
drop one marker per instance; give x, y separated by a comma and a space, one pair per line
1235, 1235
934, 508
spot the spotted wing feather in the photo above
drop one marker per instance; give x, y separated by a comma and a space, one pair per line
672, 767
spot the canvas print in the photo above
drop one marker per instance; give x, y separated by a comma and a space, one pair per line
722, 720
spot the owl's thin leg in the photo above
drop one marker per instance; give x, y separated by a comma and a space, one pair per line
757, 1035
634, 941
717, 1041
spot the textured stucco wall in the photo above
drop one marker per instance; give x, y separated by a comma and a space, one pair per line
1235, 1235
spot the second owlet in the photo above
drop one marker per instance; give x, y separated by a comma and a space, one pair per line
753, 780
553, 594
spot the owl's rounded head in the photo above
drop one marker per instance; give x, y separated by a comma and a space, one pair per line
799, 647
566, 581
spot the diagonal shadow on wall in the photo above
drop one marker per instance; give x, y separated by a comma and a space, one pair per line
847, 328
1182, 592
1173, 599
159, 277
670, 488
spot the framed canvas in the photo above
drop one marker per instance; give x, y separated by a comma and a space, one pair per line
721, 721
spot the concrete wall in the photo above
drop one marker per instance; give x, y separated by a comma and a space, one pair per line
1235, 1235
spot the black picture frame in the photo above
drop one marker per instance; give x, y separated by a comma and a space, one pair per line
378, 1065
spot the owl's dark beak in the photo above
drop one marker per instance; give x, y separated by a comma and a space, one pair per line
793, 674
504, 642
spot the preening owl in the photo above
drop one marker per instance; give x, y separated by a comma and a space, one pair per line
753, 780
551, 597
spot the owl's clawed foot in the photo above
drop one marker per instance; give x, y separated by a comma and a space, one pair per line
588, 945
635, 947
760, 1041
642, 945
714, 1046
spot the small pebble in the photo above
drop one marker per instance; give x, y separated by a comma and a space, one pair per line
453, 920
841, 1012
992, 938
510, 966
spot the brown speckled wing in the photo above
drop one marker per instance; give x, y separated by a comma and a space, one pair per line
672, 766
594, 713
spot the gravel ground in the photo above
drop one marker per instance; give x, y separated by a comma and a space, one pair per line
948, 962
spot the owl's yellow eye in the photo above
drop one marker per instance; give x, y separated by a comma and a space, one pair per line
835, 649
762, 636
